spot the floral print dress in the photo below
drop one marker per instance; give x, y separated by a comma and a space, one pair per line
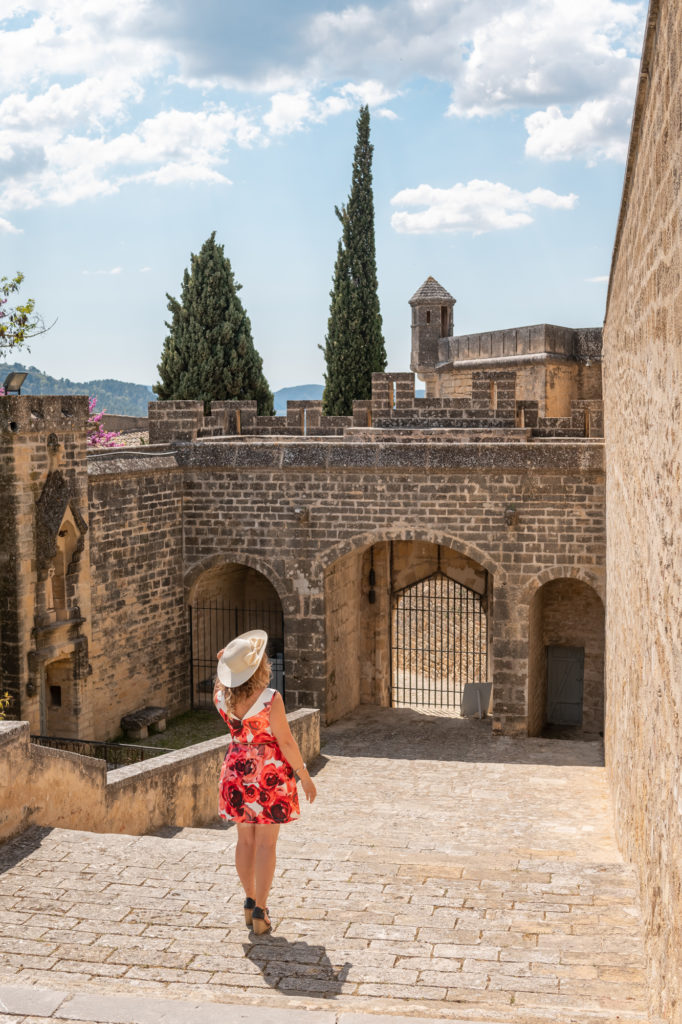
257, 784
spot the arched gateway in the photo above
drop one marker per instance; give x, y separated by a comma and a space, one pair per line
224, 601
406, 625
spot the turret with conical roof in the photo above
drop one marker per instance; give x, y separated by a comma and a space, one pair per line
432, 308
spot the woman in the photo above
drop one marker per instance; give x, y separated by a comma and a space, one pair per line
257, 786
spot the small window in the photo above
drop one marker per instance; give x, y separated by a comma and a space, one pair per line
428, 316
443, 321
56, 696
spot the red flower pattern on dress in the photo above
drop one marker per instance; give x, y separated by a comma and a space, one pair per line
257, 784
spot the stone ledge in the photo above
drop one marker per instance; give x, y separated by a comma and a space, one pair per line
329, 455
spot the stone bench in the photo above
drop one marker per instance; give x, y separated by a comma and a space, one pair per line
138, 724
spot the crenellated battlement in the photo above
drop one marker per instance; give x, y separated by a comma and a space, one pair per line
489, 404
36, 413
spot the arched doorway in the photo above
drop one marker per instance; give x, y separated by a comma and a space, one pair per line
566, 659
406, 625
225, 601
439, 642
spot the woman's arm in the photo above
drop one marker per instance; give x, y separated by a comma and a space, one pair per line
289, 746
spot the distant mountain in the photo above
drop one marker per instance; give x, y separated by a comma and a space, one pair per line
114, 396
308, 393
300, 393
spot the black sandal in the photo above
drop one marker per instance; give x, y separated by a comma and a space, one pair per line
249, 904
260, 925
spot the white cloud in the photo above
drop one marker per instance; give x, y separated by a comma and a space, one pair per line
172, 147
293, 111
7, 228
96, 273
88, 81
546, 51
478, 206
598, 130
602, 279
289, 112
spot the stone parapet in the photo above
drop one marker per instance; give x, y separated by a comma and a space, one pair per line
59, 789
48, 413
539, 339
489, 401
346, 453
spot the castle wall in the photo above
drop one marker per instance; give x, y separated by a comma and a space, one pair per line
139, 632
643, 413
294, 509
44, 499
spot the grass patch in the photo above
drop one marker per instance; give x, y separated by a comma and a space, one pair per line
186, 729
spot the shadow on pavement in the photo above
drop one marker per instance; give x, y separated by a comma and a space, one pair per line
296, 966
13, 851
404, 733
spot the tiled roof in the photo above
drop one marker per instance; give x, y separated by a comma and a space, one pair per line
431, 291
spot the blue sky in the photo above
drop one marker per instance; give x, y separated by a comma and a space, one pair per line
131, 129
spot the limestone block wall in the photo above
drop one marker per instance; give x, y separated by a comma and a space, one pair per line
643, 412
140, 635
44, 590
518, 510
344, 635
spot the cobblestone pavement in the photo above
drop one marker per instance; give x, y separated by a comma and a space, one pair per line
442, 873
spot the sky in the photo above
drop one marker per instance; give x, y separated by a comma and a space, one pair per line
132, 129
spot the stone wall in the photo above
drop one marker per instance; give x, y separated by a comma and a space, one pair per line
643, 409
44, 559
293, 510
56, 788
458, 398
140, 633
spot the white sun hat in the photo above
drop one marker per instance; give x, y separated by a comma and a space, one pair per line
241, 657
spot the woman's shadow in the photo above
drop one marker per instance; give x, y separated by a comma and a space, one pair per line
296, 966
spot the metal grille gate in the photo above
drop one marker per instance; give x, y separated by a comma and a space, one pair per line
212, 624
439, 642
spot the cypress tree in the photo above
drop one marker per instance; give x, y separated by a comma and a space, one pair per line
354, 345
209, 353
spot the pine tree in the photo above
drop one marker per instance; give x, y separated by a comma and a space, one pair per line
209, 353
354, 345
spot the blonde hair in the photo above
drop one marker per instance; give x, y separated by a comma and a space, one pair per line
259, 679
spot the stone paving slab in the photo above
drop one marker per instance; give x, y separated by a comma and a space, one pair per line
94, 1009
443, 873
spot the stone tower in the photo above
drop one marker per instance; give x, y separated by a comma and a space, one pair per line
44, 562
432, 308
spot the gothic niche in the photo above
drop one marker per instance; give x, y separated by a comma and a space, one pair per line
60, 534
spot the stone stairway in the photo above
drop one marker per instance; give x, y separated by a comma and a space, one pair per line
442, 874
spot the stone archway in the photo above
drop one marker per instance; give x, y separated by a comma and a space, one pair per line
223, 601
361, 588
566, 652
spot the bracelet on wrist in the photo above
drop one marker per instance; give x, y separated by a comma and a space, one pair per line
297, 771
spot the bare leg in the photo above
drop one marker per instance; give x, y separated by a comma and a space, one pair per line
244, 856
265, 860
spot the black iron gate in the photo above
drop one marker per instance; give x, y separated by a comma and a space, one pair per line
439, 642
212, 624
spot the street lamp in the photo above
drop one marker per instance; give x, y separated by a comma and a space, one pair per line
14, 383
